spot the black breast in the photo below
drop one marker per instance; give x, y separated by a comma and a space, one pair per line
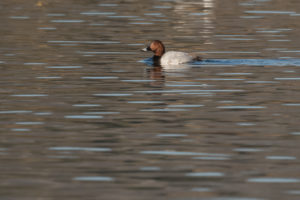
156, 60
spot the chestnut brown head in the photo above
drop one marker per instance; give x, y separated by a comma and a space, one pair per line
156, 47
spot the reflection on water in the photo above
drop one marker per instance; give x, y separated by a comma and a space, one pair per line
86, 115
93, 178
274, 180
205, 174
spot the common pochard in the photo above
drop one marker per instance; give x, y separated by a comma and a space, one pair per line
161, 57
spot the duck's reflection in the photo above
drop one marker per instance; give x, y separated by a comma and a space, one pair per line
156, 73
160, 74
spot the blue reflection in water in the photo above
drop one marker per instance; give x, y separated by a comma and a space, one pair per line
251, 62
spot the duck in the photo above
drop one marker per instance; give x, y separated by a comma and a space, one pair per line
161, 57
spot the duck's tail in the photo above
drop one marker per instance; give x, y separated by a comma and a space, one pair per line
197, 58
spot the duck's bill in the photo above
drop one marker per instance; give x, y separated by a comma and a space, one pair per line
146, 49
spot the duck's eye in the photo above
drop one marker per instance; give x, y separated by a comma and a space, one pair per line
149, 49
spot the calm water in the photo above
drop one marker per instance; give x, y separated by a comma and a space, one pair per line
85, 116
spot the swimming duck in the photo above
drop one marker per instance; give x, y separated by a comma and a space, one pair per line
161, 57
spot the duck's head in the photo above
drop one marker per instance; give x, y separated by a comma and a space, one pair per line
156, 47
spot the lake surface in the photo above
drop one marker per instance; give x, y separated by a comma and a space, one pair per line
84, 115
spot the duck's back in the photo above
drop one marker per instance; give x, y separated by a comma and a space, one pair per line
175, 58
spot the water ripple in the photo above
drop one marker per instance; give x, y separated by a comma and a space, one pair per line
93, 178
273, 180
97, 13
49, 77
150, 168
185, 106
99, 77
16, 112
21, 129
108, 4
180, 153
67, 21
185, 91
34, 63
163, 110
101, 113
250, 150
83, 42
241, 107
145, 102
291, 104
280, 157
212, 158
205, 174
112, 95
64, 67
171, 135
86, 105
19, 17
29, 95
96, 149
83, 117
288, 78
30, 123
56, 15
106, 52
47, 28
269, 12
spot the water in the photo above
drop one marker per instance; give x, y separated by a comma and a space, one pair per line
85, 115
